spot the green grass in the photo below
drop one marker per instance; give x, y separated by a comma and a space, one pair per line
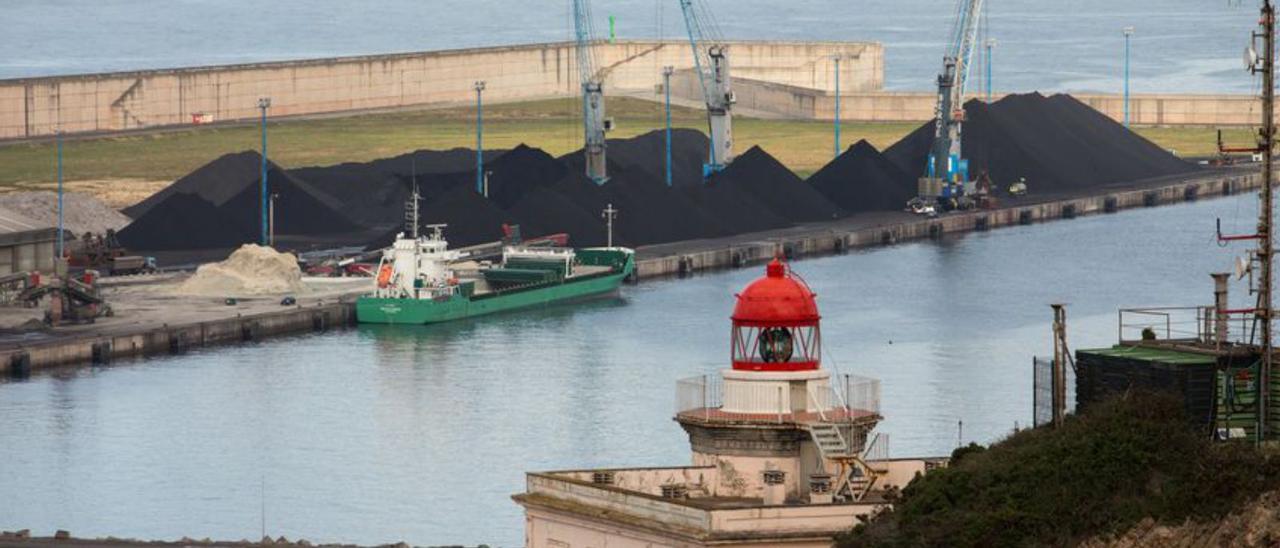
552, 125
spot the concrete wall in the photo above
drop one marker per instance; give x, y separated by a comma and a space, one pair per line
158, 98
792, 101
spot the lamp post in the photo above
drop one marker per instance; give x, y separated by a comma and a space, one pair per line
264, 103
479, 137
991, 44
836, 58
1128, 33
61, 241
666, 88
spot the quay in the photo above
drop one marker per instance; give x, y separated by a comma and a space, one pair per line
176, 327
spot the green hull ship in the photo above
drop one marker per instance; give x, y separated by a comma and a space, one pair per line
421, 281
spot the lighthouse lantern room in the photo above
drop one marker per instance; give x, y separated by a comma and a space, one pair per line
773, 420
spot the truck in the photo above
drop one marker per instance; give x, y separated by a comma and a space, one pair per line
131, 264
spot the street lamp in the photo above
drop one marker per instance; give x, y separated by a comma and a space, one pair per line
991, 44
61, 239
837, 58
666, 87
1128, 33
479, 137
264, 103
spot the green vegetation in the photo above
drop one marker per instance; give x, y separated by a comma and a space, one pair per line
1134, 457
553, 125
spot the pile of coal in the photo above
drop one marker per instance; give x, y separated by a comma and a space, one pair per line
1057, 143
862, 179
219, 206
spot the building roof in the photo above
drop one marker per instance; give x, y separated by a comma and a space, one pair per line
1153, 354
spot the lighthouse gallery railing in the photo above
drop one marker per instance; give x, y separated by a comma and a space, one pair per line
705, 393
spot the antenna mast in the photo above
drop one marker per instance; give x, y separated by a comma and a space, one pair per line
1263, 62
1266, 144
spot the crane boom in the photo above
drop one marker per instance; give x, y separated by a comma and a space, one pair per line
711, 64
947, 171
593, 114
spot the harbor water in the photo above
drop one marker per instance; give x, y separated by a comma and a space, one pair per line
380, 434
1179, 45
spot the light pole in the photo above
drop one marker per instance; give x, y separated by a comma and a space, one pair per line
666, 88
264, 103
61, 241
479, 137
1128, 32
836, 58
991, 44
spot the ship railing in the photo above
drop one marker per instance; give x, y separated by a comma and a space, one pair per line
1189, 324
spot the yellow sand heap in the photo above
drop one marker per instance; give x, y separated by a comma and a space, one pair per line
250, 270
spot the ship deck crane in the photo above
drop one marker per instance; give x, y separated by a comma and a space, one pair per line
946, 182
594, 122
711, 63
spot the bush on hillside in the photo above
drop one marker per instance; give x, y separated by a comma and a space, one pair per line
1133, 457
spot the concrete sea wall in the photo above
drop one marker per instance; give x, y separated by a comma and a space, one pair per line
800, 102
112, 102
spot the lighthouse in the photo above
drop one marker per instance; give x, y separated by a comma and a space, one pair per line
784, 450
776, 423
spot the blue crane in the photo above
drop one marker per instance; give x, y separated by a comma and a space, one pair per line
946, 179
711, 64
593, 118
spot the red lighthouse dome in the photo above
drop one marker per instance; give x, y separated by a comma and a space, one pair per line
775, 323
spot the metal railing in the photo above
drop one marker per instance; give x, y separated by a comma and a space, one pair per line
1186, 323
878, 449
852, 393
862, 394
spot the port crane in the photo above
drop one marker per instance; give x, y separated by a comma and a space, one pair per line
711, 64
946, 181
594, 122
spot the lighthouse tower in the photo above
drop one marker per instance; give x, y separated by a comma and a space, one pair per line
776, 424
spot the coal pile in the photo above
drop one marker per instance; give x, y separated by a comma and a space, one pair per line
1057, 143
862, 179
373, 193
471, 218
645, 156
186, 221
226, 209
757, 175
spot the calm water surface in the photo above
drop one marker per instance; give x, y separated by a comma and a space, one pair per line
1180, 45
380, 434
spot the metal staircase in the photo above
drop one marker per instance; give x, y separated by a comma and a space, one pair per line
856, 477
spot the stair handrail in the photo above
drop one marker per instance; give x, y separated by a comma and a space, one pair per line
817, 404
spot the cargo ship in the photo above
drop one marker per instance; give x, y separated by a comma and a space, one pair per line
421, 281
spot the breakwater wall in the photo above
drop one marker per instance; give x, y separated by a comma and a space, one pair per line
800, 102
130, 101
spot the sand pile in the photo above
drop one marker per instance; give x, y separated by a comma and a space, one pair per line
250, 270
81, 212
